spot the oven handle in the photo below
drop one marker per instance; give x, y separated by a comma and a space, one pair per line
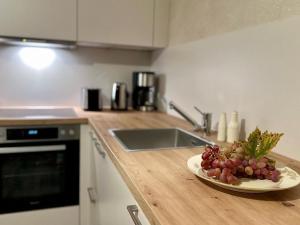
28, 149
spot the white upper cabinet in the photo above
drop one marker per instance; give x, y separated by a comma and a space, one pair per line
161, 23
140, 23
125, 22
45, 19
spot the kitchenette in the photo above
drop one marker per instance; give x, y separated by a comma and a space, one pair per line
149, 112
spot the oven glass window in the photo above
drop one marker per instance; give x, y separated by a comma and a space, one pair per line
37, 175
31, 175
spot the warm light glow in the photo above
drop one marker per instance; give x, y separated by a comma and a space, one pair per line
37, 58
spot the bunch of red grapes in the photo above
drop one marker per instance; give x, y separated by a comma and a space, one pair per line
229, 170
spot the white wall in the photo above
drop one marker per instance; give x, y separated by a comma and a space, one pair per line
61, 82
255, 71
195, 19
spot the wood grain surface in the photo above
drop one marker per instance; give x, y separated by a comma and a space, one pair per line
171, 195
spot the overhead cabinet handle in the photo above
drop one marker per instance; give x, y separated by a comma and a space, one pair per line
133, 212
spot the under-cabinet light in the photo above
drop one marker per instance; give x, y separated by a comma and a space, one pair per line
37, 58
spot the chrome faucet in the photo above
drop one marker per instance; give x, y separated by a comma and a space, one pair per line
207, 117
197, 127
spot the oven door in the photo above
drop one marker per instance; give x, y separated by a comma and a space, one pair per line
38, 175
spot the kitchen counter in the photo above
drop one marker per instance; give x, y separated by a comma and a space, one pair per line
163, 186
171, 195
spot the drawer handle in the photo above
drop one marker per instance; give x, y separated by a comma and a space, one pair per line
99, 149
92, 194
97, 144
92, 135
133, 212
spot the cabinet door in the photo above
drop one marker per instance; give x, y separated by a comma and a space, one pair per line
88, 192
47, 19
161, 23
126, 22
113, 194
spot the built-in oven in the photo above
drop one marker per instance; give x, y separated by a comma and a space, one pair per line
39, 167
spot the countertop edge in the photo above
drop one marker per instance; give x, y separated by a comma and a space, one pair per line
48, 121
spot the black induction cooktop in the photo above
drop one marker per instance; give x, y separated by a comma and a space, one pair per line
36, 112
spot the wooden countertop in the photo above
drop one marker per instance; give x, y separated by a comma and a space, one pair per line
171, 195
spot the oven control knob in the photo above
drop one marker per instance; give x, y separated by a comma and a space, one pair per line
71, 132
63, 132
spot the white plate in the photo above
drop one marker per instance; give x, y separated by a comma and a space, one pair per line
289, 178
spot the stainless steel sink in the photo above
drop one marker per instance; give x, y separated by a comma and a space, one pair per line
155, 139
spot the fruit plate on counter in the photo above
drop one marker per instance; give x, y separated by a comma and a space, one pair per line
288, 179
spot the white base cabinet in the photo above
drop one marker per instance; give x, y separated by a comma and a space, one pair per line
110, 196
87, 178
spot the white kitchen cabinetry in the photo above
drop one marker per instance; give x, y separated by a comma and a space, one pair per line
44, 19
112, 196
139, 23
161, 23
87, 178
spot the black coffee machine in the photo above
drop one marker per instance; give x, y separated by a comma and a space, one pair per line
144, 91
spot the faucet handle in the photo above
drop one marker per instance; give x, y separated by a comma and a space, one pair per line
204, 114
207, 118
207, 122
171, 104
197, 109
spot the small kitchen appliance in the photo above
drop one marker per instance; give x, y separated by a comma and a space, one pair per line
119, 96
144, 91
91, 99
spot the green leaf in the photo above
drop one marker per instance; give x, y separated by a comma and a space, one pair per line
260, 144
